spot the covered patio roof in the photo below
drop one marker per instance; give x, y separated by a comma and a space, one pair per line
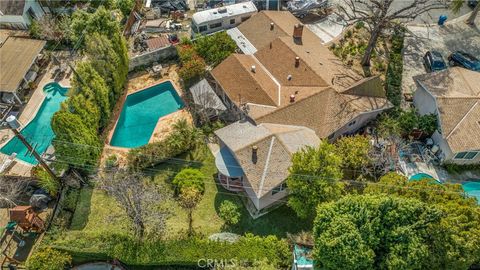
227, 164
204, 96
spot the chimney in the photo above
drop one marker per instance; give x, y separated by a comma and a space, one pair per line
254, 154
253, 68
292, 98
298, 31
297, 61
272, 25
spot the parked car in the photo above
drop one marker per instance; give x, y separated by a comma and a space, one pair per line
472, 3
465, 60
433, 61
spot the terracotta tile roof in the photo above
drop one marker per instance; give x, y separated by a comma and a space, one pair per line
275, 146
12, 7
16, 57
158, 42
457, 93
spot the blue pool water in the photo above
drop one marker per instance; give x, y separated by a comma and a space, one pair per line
420, 176
140, 114
38, 132
472, 189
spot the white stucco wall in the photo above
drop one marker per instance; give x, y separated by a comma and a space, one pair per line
22, 21
360, 121
424, 102
269, 199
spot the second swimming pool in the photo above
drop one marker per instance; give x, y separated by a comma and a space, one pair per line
140, 114
38, 132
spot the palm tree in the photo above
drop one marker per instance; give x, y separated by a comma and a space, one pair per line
458, 4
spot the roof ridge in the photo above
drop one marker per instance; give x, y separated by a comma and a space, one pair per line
463, 118
265, 168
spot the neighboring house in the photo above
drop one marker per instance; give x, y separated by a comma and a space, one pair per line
213, 20
18, 14
255, 159
454, 96
18, 66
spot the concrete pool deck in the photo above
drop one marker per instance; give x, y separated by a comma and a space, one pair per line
28, 112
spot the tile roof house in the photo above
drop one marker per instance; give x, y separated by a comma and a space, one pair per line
256, 158
454, 96
18, 14
286, 76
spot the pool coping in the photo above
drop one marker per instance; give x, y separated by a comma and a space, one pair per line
34, 114
112, 131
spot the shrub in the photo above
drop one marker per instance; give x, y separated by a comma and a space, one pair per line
70, 201
189, 178
215, 48
229, 212
48, 259
192, 70
111, 161
45, 181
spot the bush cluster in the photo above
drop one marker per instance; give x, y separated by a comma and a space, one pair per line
182, 252
48, 259
395, 68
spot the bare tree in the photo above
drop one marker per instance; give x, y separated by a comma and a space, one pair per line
13, 191
456, 5
380, 16
141, 201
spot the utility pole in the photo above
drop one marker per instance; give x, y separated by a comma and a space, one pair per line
14, 125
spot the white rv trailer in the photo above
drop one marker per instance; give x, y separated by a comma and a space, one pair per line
213, 20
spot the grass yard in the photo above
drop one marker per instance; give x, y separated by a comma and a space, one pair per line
97, 214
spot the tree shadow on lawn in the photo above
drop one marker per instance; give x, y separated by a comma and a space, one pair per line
278, 222
82, 210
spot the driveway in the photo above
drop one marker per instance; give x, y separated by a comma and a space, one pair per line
451, 37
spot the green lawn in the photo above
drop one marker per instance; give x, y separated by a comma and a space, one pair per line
97, 213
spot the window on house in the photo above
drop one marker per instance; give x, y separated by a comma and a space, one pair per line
202, 28
352, 123
232, 21
215, 25
331, 136
279, 188
466, 155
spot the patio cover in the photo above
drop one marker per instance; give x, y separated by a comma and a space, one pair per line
226, 163
204, 96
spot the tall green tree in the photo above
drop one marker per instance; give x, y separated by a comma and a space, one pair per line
108, 63
89, 83
85, 108
457, 238
375, 232
75, 143
215, 48
314, 178
354, 151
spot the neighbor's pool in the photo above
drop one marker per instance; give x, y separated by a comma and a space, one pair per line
140, 114
420, 176
38, 132
472, 189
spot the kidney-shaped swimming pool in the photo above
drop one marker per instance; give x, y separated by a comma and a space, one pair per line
140, 114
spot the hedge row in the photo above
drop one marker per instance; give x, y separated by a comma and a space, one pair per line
183, 252
395, 68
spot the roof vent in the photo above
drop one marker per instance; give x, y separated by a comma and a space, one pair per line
253, 68
254, 154
297, 61
222, 10
292, 98
289, 77
272, 25
298, 31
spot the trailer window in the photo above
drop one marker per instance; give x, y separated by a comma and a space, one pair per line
202, 28
245, 18
215, 25
232, 21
